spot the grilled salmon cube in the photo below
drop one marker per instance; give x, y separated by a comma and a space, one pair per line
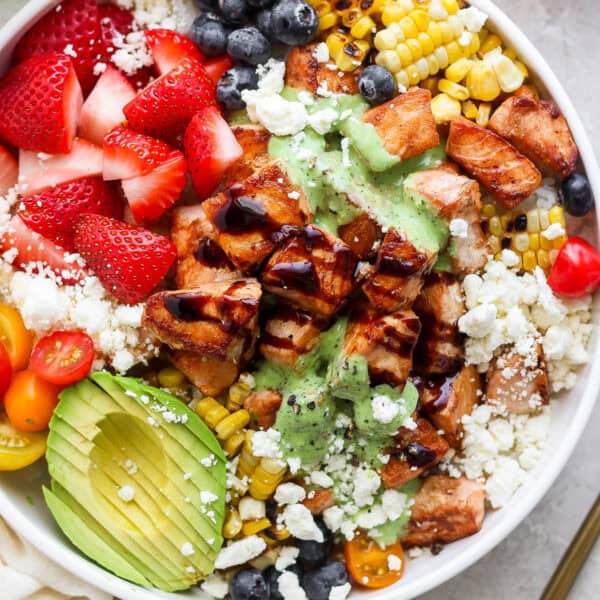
254, 140
494, 162
312, 270
248, 216
416, 451
304, 71
212, 376
439, 306
362, 235
454, 197
288, 334
263, 407
319, 501
405, 124
446, 400
445, 510
218, 319
387, 343
517, 383
200, 259
537, 129
398, 275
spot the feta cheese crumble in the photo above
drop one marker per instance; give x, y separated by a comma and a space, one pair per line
289, 493
187, 549
289, 586
300, 523
459, 228
287, 557
126, 493
240, 552
385, 410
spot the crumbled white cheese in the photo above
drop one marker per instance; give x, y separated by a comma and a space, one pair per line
126, 493
163, 14
323, 120
208, 497
436, 11
187, 549
472, 18
289, 493
465, 38
266, 443
553, 231
509, 258
345, 145
333, 517
70, 51
287, 557
459, 228
365, 486
131, 467
300, 523
289, 586
251, 509
371, 517
132, 53
385, 410
215, 585
271, 77
275, 113
321, 52
393, 503
394, 562
321, 479
479, 321
240, 552
340, 592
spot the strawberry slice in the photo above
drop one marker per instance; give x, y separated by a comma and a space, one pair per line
72, 27
217, 66
129, 154
55, 212
38, 172
129, 261
34, 253
9, 171
40, 102
169, 48
165, 108
116, 23
210, 148
103, 108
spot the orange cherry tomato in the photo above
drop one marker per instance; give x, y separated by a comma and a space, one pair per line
16, 338
372, 566
6, 371
30, 401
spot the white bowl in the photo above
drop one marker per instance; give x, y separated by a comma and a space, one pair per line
570, 414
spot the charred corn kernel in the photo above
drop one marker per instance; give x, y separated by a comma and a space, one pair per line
356, 51
494, 244
402, 81
404, 54
234, 443
279, 534
423, 68
505, 220
266, 477
491, 43
508, 75
254, 527
444, 108
248, 462
482, 82
483, 114
236, 395
441, 54
233, 524
534, 241
434, 31
510, 53
488, 210
533, 221
557, 215
454, 52
413, 75
426, 44
408, 27
543, 259
335, 42
434, 65
420, 18
415, 49
469, 110
529, 260
559, 242
545, 243
392, 13
350, 17
457, 71
385, 40
454, 90
495, 226
328, 21
390, 60
170, 377
451, 6
212, 411
322, 7
430, 84
521, 66
520, 242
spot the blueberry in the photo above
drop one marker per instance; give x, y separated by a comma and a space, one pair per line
271, 576
313, 554
376, 85
235, 11
260, 3
249, 584
576, 195
208, 4
317, 584
249, 45
294, 22
231, 84
264, 21
209, 35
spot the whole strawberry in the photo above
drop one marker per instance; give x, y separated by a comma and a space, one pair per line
129, 261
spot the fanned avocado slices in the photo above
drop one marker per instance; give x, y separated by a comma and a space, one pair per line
128, 464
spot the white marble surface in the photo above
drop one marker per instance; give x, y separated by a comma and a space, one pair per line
568, 34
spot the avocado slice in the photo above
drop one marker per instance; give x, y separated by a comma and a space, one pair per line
128, 463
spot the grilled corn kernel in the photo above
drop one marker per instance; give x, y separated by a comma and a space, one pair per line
404, 54
457, 71
488, 210
393, 13
559, 242
426, 43
415, 49
544, 219
451, 6
494, 244
170, 377
447, 32
385, 40
420, 18
520, 242
521, 66
441, 55
508, 75
434, 65
545, 243
469, 109
454, 52
457, 25
266, 477
482, 82
534, 241
423, 68
236, 395
390, 60
351, 16
328, 21
454, 90
322, 7
483, 114
491, 43
430, 84
529, 260
495, 226
543, 259
279, 534
234, 443
557, 215
413, 74
363, 27
510, 53
408, 27
402, 81
533, 221
254, 527
248, 462
211, 411
434, 31
233, 524
445, 108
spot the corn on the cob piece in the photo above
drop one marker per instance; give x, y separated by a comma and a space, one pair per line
228, 426
523, 233
233, 524
236, 395
254, 527
248, 462
445, 108
266, 477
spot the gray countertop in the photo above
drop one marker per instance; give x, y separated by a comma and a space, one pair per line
567, 33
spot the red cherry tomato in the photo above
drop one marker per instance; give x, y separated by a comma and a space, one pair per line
63, 357
6, 371
576, 271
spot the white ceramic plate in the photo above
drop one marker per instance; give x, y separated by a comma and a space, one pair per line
570, 413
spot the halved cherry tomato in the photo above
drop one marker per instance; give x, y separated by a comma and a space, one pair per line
6, 371
30, 401
372, 566
63, 357
17, 449
14, 335
576, 270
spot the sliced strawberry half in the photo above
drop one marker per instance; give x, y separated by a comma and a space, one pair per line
217, 66
9, 171
72, 27
38, 172
165, 108
103, 108
34, 253
169, 48
210, 148
130, 154
55, 212
40, 102
129, 261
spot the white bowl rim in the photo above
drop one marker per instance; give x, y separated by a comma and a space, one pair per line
78, 565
